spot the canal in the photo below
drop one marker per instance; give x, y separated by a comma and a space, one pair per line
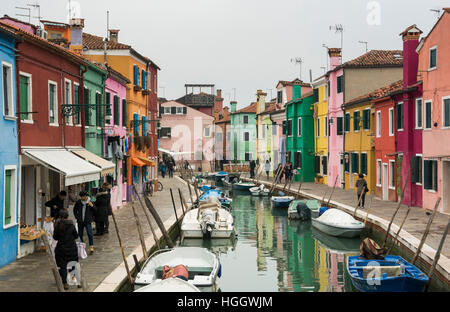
273, 253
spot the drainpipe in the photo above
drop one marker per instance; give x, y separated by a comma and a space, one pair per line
83, 70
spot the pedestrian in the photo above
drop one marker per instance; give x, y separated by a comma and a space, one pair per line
72, 196
288, 171
163, 170
252, 169
108, 188
101, 211
84, 211
56, 204
361, 190
170, 168
66, 249
267, 168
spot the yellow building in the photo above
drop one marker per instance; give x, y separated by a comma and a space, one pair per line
359, 146
321, 129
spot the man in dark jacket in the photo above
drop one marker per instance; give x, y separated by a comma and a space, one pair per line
84, 211
252, 169
56, 204
101, 211
108, 188
361, 190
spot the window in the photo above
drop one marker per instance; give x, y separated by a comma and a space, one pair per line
8, 106
325, 127
391, 122
366, 119
87, 111
116, 110
298, 160
149, 84
318, 127
144, 79
68, 98
207, 132
154, 82
428, 118
246, 137
316, 95
339, 125
165, 132
173, 110
76, 100
280, 97
430, 173
108, 108
355, 163
433, 58
356, 120
325, 92
245, 119
391, 174
144, 125
346, 162
136, 124
274, 129
167, 110
124, 113
25, 90
378, 124
52, 103
136, 75
10, 198
340, 84
347, 122
446, 112
419, 113
289, 127
328, 88
98, 110
179, 110
324, 165
378, 172
364, 163
300, 127
284, 127
400, 116
416, 169
317, 164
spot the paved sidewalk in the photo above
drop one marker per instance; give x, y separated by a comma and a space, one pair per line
415, 223
32, 273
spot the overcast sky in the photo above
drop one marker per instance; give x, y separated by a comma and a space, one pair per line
242, 44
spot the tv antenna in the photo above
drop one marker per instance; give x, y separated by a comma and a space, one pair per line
25, 15
298, 60
324, 69
437, 11
339, 29
364, 42
38, 7
326, 47
270, 93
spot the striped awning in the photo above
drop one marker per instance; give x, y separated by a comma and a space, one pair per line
106, 166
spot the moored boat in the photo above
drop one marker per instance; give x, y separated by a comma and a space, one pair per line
336, 222
392, 274
172, 284
243, 186
303, 209
281, 201
255, 191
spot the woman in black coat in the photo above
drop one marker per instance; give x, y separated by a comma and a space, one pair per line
101, 213
66, 249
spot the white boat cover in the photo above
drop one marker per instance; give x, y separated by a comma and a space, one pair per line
75, 169
338, 217
173, 284
106, 166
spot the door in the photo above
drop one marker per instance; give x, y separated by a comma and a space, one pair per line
385, 182
342, 168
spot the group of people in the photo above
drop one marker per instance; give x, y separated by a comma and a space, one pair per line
167, 165
286, 171
85, 212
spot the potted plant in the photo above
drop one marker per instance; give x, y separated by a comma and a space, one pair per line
319, 178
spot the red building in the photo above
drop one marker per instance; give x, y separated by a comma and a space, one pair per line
153, 113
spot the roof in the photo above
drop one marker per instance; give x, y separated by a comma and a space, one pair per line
18, 21
378, 93
446, 10
9, 32
56, 24
45, 43
200, 99
251, 109
270, 107
295, 82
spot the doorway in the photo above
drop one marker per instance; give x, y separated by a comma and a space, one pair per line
385, 182
446, 186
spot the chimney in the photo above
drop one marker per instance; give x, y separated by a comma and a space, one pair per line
114, 35
335, 57
218, 102
261, 100
410, 38
233, 105
76, 35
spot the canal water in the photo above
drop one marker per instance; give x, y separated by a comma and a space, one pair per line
273, 253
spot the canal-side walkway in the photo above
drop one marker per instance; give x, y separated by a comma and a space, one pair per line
102, 270
380, 214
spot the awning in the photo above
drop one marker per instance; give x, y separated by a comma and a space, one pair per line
75, 169
137, 162
147, 162
106, 166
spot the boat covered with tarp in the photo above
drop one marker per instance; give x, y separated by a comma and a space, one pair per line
336, 222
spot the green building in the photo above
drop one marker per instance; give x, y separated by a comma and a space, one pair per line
300, 134
243, 133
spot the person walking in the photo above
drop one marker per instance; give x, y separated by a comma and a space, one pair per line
84, 211
252, 169
361, 190
108, 188
170, 168
288, 171
267, 168
56, 204
66, 249
163, 169
101, 211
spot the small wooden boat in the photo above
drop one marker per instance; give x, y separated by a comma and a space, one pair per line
243, 186
203, 266
303, 209
281, 201
393, 274
172, 284
336, 222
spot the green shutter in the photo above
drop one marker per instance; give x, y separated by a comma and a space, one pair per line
116, 110
427, 175
339, 126
87, 112
124, 113
76, 99
366, 119
8, 197
52, 103
364, 164
23, 97
435, 174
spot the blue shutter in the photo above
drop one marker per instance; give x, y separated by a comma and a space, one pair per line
136, 124
144, 126
144, 80
135, 75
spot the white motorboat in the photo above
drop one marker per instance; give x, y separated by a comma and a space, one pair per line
263, 190
336, 222
203, 267
255, 191
172, 284
208, 221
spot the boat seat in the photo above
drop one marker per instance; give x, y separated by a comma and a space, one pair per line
389, 270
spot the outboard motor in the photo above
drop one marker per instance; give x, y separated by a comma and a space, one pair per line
207, 222
303, 211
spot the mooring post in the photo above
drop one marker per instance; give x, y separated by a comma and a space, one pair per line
175, 210
147, 215
437, 255
140, 232
299, 187
334, 186
130, 279
52, 263
158, 220
399, 230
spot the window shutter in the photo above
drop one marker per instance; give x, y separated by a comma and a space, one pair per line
8, 176
339, 125
346, 162
184, 110
116, 110
124, 113
325, 165
144, 79
364, 164
135, 75
316, 95
24, 97
136, 124
173, 110
427, 178
435, 174
317, 164
144, 126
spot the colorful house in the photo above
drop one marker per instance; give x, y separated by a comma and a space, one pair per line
300, 134
9, 160
188, 134
321, 130
243, 133
434, 53
350, 80
222, 121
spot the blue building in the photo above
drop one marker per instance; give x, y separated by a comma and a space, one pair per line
9, 157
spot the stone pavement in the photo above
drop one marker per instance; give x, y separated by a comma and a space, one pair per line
415, 223
32, 273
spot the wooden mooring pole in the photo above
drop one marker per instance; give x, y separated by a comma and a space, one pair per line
130, 278
299, 187
399, 230
175, 210
370, 206
437, 255
183, 202
335, 182
158, 220
147, 215
52, 263
427, 230
140, 232
274, 181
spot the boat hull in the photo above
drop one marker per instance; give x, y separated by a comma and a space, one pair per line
242, 187
199, 234
335, 230
277, 204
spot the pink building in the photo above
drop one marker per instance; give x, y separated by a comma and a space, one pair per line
188, 134
434, 56
115, 132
